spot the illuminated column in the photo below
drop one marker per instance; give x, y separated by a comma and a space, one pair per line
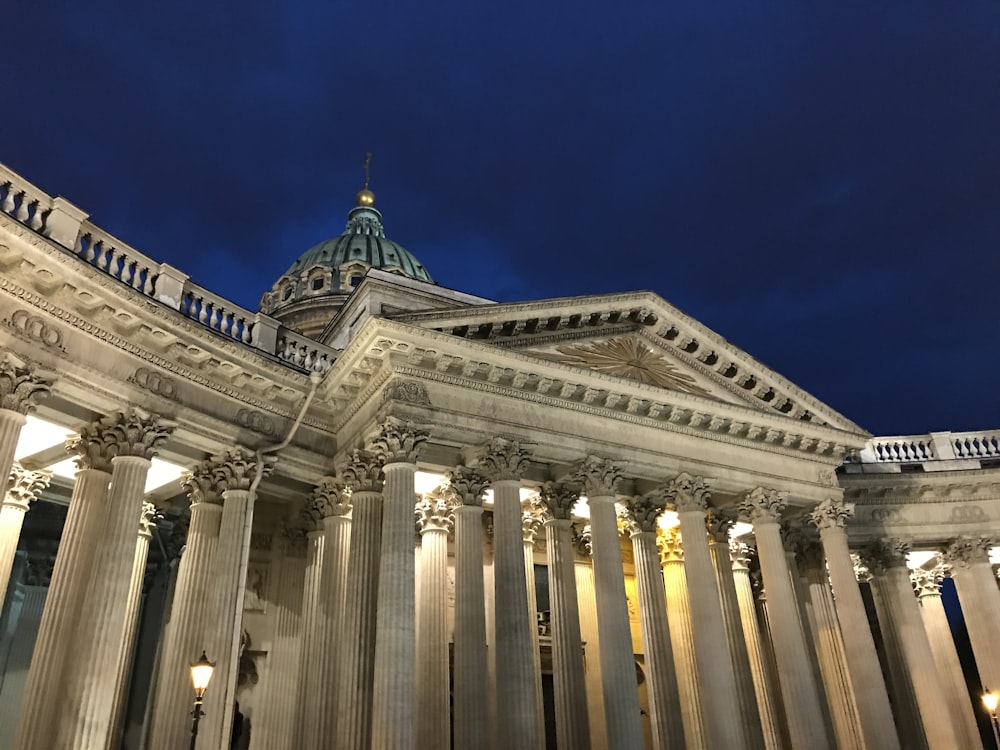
184, 634
354, 691
587, 603
866, 679
234, 473
517, 711
641, 521
568, 682
980, 600
928, 586
532, 519
887, 560
763, 686
20, 387
798, 686
600, 478
23, 488
394, 693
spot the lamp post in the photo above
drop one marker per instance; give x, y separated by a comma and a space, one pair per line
201, 673
990, 700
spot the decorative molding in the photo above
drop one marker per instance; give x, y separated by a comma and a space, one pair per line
155, 383
256, 421
407, 391
35, 329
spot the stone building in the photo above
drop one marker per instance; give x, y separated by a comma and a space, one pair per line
396, 515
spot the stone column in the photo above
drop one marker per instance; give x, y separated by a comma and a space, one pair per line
798, 687
681, 637
568, 681
928, 586
887, 560
719, 524
723, 721
22, 638
434, 522
517, 712
600, 478
275, 720
184, 634
394, 693
980, 600
354, 689
641, 521
764, 688
471, 691
20, 387
127, 653
532, 521
872, 698
333, 504
234, 473
310, 700
23, 488
587, 603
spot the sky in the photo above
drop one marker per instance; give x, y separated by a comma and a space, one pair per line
817, 182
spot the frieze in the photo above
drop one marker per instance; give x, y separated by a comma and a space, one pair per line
155, 383
256, 421
407, 391
35, 329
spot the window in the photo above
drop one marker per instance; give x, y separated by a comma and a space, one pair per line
355, 279
286, 294
317, 283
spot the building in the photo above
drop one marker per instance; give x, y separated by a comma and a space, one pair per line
413, 517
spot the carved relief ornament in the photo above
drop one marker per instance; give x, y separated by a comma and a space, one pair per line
20, 387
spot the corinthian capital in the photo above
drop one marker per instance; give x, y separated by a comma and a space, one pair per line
559, 498
740, 554
966, 550
583, 539
201, 484
687, 492
532, 520
466, 485
642, 513
763, 506
331, 498
927, 582
149, 517
599, 476
668, 542
504, 460
236, 468
363, 472
831, 514
135, 433
434, 512
91, 448
24, 487
398, 442
884, 554
719, 522
20, 387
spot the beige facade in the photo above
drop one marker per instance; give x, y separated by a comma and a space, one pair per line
442, 520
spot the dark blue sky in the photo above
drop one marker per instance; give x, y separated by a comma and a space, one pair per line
818, 182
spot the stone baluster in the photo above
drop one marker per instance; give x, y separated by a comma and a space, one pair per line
568, 681
393, 719
184, 635
333, 503
723, 721
798, 687
600, 478
23, 488
719, 525
532, 522
871, 696
434, 521
20, 387
928, 587
517, 711
763, 686
641, 522
886, 559
354, 688
980, 599
587, 603
275, 720
675, 585
471, 683
309, 699
234, 473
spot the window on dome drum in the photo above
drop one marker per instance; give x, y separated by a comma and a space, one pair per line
286, 294
318, 282
355, 279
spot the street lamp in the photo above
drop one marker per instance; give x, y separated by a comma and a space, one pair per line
201, 673
990, 701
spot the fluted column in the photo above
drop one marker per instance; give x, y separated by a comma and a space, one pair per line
471, 715
532, 520
719, 524
517, 711
798, 686
275, 719
681, 637
393, 719
127, 652
867, 681
722, 714
928, 587
354, 691
20, 388
333, 504
764, 688
434, 521
980, 600
568, 682
310, 700
22, 489
587, 603
234, 473
641, 521
887, 560
184, 635
600, 478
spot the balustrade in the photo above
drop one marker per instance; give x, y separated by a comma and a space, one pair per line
304, 352
933, 451
217, 313
117, 259
23, 201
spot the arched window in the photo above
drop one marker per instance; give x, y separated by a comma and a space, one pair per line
355, 279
